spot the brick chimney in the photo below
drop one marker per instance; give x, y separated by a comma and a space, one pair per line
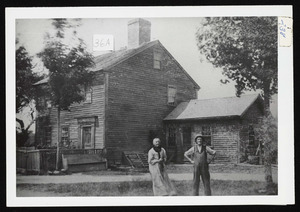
139, 32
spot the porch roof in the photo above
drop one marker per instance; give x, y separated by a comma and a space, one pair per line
213, 108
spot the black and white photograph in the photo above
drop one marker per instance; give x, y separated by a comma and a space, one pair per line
149, 105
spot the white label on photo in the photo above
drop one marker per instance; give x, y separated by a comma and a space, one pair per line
285, 30
103, 42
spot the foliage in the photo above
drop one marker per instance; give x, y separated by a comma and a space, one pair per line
268, 134
22, 134
25, 77
246, 49
68, 67
25, 91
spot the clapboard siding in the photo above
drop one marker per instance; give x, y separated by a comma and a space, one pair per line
137, 100
224, 138
230, 136
69, 118
225, 143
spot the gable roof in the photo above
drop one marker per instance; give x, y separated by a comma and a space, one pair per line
213, 108
109, 60
106, 61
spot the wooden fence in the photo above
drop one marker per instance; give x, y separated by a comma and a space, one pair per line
43, 160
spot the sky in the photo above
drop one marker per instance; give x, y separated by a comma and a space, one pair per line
176, 34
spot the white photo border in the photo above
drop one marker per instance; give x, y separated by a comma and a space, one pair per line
286, 186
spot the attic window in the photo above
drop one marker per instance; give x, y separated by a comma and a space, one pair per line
157, 55
171, 95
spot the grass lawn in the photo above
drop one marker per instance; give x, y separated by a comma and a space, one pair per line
188, 168
138, 188
222, 168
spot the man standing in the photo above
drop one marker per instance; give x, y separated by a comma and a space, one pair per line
199, 151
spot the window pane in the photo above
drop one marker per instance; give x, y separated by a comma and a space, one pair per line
156, 64
157, 59
171, 94
88, 97
47, 135
65, 132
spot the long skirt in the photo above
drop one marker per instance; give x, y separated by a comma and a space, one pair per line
162, 186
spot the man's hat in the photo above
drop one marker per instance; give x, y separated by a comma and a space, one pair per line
198, 135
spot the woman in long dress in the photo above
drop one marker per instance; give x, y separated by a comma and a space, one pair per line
162, 186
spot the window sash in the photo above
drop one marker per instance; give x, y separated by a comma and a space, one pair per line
88, 95
157, 57
171, 94
64, 132
157, 64
47, 135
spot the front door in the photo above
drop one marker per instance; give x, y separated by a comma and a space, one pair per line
87, 137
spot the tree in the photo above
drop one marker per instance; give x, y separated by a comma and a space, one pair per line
68, 66
268, 133
246, 49
25, 92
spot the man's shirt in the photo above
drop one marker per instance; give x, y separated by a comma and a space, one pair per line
208, 150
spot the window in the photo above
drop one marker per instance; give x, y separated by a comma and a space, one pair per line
186, 131
172, 95
206, 133
64, 135
48, 103
88, 95
157, 55
47, 135
172, 137
251, 135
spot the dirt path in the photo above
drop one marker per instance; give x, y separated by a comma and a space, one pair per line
82, 178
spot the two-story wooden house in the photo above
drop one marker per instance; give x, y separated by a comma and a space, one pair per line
133, 91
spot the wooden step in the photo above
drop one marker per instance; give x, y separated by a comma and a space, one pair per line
137, 159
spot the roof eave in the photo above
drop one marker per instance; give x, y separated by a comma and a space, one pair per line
254, 100
136, 51
204, 118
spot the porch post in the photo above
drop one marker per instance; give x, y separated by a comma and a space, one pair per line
179, 140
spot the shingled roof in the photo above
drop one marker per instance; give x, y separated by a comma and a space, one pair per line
213, 108
107, 61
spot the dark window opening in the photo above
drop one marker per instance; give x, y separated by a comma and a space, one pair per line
187, 136
172, 137
251, 135
206, 133
47, 135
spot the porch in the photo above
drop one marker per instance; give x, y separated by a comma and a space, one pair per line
40, 161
